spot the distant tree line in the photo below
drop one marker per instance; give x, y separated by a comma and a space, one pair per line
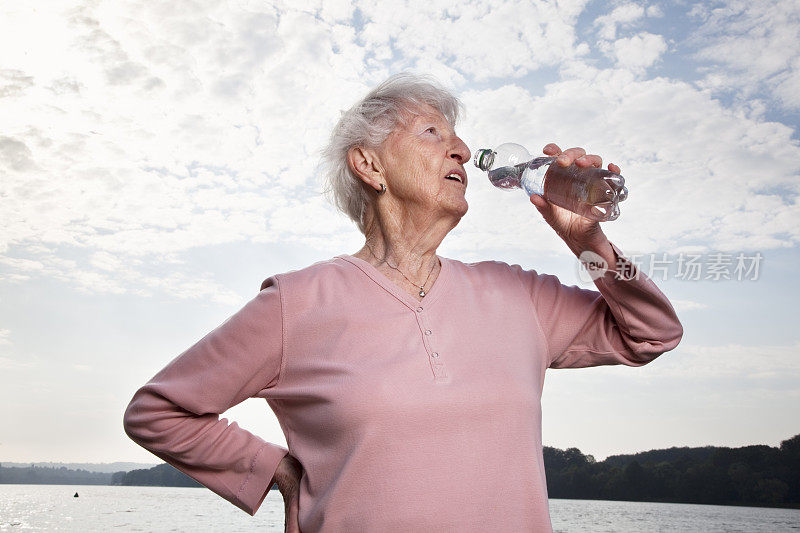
38, 475
751, 475
163, 475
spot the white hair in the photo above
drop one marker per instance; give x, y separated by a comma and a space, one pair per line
367, 124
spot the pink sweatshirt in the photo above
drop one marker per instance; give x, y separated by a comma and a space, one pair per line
406, 415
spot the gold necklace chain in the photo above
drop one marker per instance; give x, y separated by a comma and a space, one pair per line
422, 292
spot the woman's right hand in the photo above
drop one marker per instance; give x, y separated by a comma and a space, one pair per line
287, 477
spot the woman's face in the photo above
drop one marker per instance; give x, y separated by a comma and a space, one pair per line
423, 164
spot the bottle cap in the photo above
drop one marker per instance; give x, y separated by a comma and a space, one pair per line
484, 158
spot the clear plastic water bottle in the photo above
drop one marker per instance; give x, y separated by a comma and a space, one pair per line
591, 192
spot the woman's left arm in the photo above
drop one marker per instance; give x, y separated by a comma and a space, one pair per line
628, 322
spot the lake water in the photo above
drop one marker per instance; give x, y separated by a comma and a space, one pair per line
164, 509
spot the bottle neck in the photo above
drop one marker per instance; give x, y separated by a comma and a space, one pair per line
484, 158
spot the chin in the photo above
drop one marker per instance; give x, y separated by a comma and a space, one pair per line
458, 210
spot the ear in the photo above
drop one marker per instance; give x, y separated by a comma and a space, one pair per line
364, 162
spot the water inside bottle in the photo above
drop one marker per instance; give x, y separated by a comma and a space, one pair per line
507, 177
590, 192
518, 176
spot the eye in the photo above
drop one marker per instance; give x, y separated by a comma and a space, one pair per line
431, 130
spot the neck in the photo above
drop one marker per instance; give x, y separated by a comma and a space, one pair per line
404, 247
407, 242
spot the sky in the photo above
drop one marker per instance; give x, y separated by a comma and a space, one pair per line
158, 160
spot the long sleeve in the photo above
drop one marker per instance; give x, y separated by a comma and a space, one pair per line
629, 321
176, 414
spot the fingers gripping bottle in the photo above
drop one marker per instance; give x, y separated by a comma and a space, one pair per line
591, 192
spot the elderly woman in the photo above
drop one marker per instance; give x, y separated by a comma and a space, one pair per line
408, 385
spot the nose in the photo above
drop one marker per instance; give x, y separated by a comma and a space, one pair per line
460, 151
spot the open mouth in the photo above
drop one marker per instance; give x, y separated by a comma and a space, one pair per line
455, 176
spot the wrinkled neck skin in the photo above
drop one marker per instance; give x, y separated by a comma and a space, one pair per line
407, 237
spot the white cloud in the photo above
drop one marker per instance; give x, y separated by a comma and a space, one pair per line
482, 39
15, 155
4, 337
158, 129
22, 264
752, 46
623, 15
654, 11
635, 52
106, 261
639, 51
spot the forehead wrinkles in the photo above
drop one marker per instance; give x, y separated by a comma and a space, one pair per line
410, 115
413, 118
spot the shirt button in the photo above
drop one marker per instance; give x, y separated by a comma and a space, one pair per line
427, 332
419, 309
435, 354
